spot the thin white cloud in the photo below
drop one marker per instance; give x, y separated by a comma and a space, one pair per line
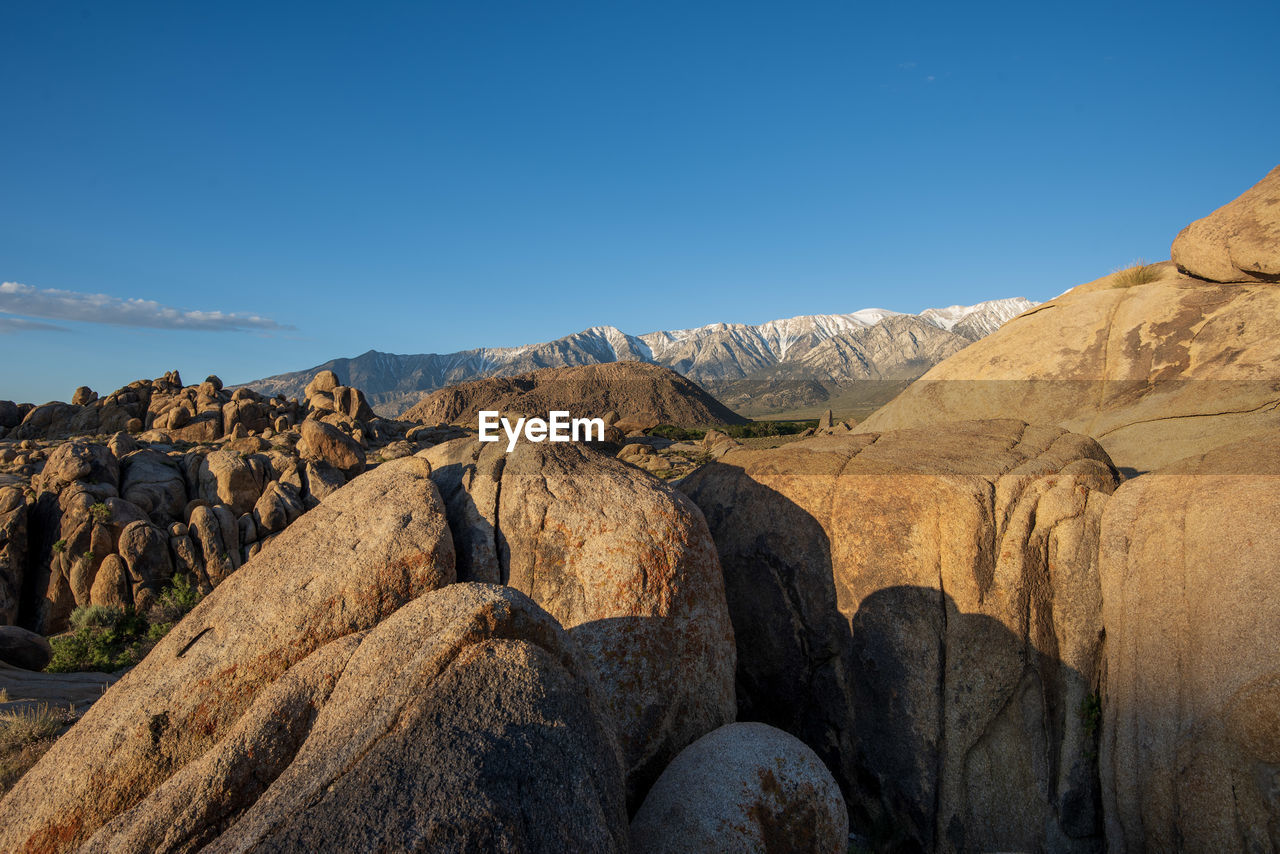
9, 325
54, 304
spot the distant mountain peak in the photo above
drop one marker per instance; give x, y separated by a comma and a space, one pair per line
712, 355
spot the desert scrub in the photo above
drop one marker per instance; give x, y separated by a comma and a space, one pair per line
101, 638
105, 639
1139, 273
25, 736
171, 606
100, 512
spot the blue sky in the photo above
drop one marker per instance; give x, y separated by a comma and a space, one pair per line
256, 188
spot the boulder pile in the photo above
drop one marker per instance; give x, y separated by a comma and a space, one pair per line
194, 482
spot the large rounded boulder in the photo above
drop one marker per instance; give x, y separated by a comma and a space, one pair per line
338, 571
743, 787
465, 721
1191, 702
922, 608
1240, 241
624, 562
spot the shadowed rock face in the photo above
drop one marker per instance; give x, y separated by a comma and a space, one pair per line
1190, 754
623, 562
922, 608
341, 569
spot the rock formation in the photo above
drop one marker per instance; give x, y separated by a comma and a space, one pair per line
620, 560
1190, 710
922, 609
1157, 365
338, 572
744, 787
1239, 242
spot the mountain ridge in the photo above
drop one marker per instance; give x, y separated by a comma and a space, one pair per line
713, 355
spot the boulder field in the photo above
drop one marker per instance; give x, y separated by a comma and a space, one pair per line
113, 520
931, 633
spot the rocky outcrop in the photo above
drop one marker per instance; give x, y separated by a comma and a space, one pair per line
743, 787
253, 482
1157, 366
640, 392
1239, 242
1155, 372
324, 443
329, 757
1191, 702
922, 608
620, 560
153, 482
338, 572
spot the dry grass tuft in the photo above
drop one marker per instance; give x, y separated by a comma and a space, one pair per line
1139, 273
24, 738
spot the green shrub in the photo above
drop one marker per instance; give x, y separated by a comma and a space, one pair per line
104, 638
100, 512
677, 434
171, 606
750, 430
59, 547
101, 638
761, 429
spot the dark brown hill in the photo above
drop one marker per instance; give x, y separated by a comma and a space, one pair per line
637, 391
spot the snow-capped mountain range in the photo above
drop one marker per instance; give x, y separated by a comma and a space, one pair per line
828, 349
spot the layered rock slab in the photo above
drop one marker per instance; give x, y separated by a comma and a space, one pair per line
623, 562
922, 608
1190, 755
1155, 372
341, 569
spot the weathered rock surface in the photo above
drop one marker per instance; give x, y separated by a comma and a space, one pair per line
82, 461
231, 478
1190, 752
339, 571
1239, 242
1155, 372
330, 756
922, 608
327, 444
743, 787
624, 562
